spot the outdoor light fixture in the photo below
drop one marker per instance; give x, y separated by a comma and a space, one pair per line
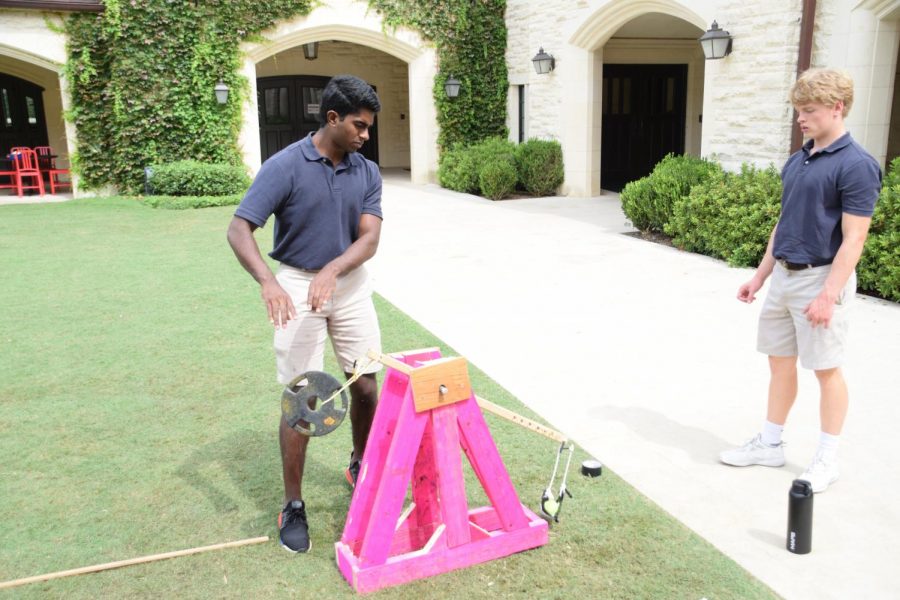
221, 92
451, 86
543, 62
311, 51
716, 42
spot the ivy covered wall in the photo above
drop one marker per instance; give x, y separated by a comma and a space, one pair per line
141, 76
470, 39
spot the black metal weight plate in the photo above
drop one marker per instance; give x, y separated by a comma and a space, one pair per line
304, 406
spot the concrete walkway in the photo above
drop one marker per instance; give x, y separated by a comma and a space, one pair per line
642, 355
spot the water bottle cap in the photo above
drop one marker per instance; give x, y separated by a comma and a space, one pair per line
801, 487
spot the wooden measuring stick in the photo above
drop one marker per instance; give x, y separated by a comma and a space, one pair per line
518, 419
131, 561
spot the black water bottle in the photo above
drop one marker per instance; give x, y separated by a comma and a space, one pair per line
800, 517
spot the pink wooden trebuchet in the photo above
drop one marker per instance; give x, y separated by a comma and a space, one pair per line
381, 547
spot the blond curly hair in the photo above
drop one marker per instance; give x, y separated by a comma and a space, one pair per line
823, 86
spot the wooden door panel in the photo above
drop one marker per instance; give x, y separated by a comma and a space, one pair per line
643, 119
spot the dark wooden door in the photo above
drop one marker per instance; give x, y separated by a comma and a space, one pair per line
289, 109
643, 120
22, 119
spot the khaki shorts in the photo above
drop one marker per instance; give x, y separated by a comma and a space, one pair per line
784, 329
348, 318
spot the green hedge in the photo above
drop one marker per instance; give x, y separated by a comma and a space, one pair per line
879, 267
729, 215
539, 164
648, 202
185, 202
460, 168
195, 178
535, 165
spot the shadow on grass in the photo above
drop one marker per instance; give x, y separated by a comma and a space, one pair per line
245, 469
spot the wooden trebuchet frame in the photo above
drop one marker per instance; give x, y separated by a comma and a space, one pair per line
485, 405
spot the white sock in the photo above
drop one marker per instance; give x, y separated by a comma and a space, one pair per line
771, 433
828, 445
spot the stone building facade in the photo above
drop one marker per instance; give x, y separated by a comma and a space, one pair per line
629, 80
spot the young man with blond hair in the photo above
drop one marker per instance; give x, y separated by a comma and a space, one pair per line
830, 187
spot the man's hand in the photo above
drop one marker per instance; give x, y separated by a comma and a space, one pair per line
321, 289
278, 303
821, 309
747, 292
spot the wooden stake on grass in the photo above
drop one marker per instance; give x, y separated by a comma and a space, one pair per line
131, 561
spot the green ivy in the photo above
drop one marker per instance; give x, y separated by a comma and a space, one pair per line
141, 76
470, 40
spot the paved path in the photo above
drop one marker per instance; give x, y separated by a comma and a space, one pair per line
642, 355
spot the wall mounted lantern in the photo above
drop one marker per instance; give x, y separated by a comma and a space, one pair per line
543, 62
451, 86
716, 42
221, 92
311, 51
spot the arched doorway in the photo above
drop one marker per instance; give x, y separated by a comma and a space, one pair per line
397, 63
640, 70
22, 119
652, 81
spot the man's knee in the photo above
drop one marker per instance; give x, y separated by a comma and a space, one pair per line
825, 375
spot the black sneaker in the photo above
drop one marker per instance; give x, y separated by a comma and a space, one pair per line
293, 530
352, 472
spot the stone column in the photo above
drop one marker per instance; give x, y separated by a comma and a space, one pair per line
423, 127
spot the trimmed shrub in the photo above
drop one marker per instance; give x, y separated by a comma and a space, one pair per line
879, 267
184, 202
498, 178
539, 164
194, 178
457, 170
729, 216
648, 202
460, 167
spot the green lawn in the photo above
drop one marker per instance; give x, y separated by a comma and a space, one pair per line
138, 413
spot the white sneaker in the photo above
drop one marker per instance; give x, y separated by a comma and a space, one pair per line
754, 452
821, 472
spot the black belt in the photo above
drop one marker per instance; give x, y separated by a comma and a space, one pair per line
791, 266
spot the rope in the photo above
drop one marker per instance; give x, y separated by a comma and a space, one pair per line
357, 373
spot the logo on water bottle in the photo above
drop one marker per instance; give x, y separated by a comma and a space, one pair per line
793, 545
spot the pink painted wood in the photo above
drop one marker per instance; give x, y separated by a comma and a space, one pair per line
441, 533
485, 459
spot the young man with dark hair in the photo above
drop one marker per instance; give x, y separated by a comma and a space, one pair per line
326, 199
830, 188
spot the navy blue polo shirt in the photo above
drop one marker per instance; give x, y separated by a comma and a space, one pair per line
317, 207
817, 190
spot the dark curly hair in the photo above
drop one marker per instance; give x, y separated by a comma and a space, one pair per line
346, 94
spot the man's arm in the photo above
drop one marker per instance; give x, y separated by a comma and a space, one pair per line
278, 303
323, 284
747, 292
855, 229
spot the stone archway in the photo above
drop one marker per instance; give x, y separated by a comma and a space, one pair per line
46, 75
583, 83
329, 24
